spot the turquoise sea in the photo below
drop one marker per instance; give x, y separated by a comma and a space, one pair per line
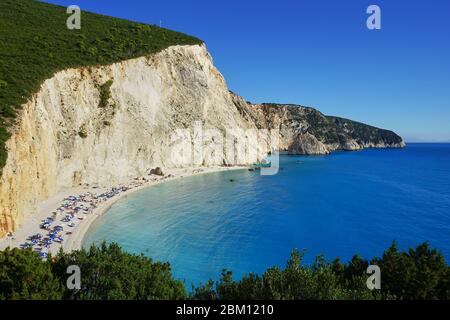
336, 205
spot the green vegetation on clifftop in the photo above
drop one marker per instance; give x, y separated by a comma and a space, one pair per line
35, 43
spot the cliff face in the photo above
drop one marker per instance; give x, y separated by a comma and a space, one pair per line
305, 130
109, 124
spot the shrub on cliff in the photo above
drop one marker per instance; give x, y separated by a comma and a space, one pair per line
105, 93
4, 136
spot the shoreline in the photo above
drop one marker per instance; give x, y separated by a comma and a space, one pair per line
73, 240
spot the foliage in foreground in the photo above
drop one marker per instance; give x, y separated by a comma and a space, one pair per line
417, 274
110, 273
107, 272
24, 276
35, 43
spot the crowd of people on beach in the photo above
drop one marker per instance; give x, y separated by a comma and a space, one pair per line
70, 214
57, 227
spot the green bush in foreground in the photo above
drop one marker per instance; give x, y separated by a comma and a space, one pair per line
110, 273
294, 282
417, 274
23, 275
107, 272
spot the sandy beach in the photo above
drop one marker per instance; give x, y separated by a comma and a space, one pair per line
70, 236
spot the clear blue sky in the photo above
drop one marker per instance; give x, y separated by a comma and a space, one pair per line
319, 53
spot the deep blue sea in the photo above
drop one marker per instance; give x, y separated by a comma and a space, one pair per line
336, 205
